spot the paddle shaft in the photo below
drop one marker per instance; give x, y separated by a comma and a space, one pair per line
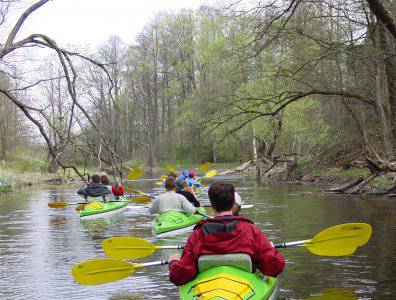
138, 192
279, 245
244, 206
153, 263
203, 215
290, 244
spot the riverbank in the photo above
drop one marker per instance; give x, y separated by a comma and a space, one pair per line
20, 179
331, 177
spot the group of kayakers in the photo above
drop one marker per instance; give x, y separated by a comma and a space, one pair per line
224, 233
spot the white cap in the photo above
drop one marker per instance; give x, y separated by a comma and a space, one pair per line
238, 199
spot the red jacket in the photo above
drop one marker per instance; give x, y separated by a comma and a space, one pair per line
117, 190
226, 235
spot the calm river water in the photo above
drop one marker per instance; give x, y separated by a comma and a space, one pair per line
39, 245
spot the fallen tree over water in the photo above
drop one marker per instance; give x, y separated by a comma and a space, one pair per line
377, 168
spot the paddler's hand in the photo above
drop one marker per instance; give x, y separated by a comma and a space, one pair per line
175, 256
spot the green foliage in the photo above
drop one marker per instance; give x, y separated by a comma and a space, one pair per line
384, 181
28, 160
303, 162
353, 173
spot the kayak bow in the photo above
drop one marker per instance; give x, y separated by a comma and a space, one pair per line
170, 223
98, 209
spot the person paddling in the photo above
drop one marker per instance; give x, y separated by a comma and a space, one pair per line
94, 189
171, 201
187, 192
224, 234
116, 190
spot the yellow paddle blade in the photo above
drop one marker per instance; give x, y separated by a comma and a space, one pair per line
211, 174
98, 271
205, 166
58, 204
335, 294
81, 207
135, 173
163, 177
340, 240
170, 168
141, 199
159, 183
128, 247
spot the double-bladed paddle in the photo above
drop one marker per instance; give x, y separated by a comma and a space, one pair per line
62, 204
128, 189
338, 240
142, 199
244, 206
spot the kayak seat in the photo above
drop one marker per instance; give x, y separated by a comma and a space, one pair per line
237, 260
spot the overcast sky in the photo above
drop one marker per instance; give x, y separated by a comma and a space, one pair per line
81, 22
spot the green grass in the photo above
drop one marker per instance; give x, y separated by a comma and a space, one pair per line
384, 181
19, 178
355, 172
23, 159
303, 162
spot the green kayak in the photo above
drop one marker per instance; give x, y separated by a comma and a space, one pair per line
98, 209
233, 280
172, 222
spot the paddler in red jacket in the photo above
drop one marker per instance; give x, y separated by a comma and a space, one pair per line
224, 234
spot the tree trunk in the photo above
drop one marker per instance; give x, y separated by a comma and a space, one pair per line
382, 95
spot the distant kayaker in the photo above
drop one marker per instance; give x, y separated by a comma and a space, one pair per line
190, 196
172, 175
170, 200
224, 234
94, 189
191, 180
117, 190
180, 179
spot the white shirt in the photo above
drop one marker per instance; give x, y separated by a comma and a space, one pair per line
238, 199
171, 201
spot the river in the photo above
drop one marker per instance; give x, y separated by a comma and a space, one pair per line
39, 245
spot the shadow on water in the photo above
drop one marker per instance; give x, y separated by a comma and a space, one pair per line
39, 245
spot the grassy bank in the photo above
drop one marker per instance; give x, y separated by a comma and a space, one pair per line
25, 168
25, 178
334, 176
